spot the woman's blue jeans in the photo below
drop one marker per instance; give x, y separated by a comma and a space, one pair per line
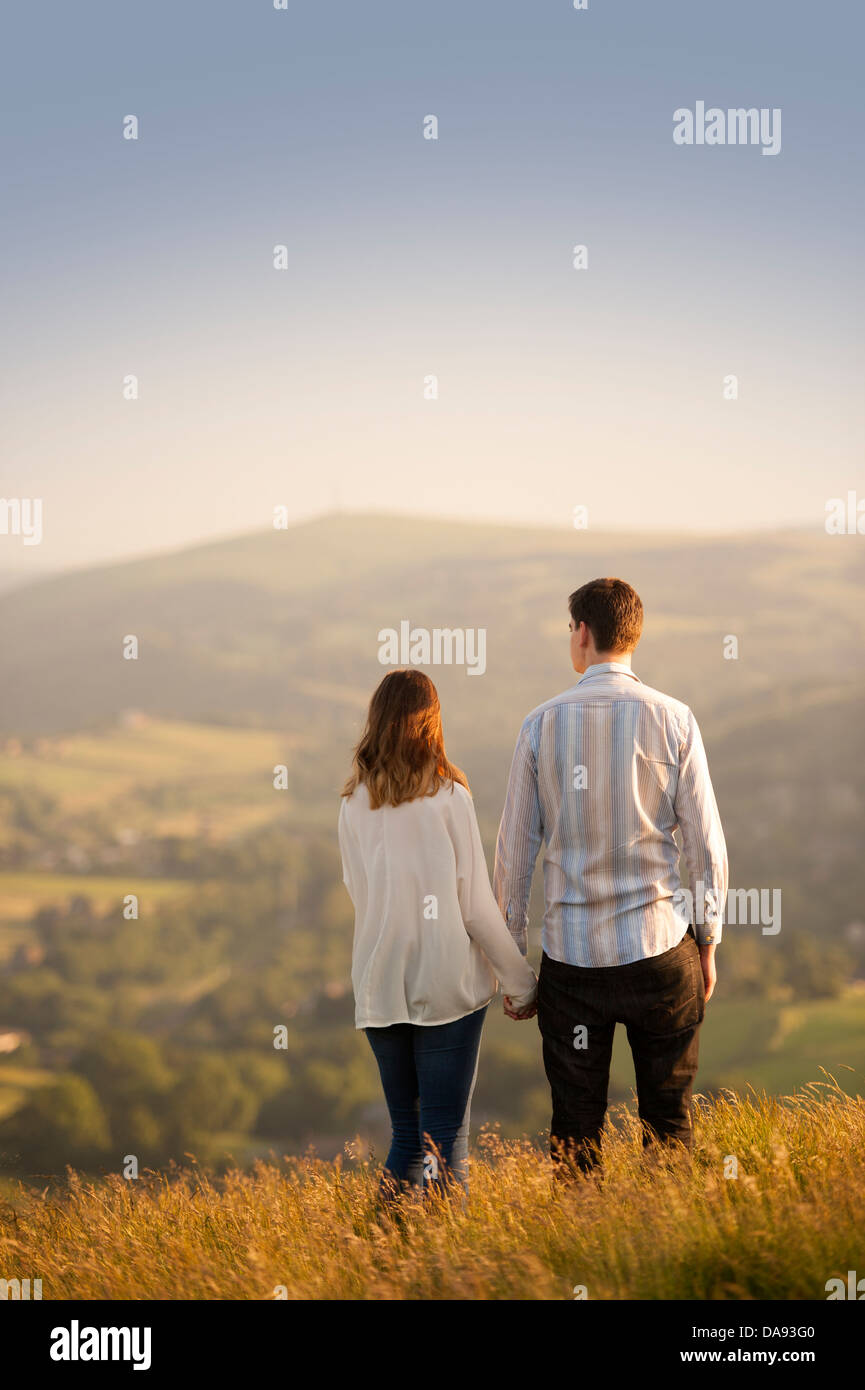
428, 1073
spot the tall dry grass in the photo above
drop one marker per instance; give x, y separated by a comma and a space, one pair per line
793, 1218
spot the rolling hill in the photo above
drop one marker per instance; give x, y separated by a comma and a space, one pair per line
279, 631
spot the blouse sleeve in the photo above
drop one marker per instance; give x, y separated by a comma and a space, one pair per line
480, 913
346, 849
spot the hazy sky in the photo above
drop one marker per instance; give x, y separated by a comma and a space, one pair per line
408, 257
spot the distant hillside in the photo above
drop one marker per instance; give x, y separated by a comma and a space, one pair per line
279, 631
271, 627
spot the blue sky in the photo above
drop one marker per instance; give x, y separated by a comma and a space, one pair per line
410, 257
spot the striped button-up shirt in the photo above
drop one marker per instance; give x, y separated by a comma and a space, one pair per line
602, 775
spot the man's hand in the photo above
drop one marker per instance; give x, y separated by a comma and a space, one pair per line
710, 973
518, 1014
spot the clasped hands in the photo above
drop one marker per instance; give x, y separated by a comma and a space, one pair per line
527, 1011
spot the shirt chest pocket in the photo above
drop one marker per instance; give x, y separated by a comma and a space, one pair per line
656, 777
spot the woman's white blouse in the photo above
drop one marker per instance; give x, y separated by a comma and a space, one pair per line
429, 939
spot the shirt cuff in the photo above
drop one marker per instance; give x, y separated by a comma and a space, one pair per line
522, 1001
517, 924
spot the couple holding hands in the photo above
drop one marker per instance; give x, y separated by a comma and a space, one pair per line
601, 777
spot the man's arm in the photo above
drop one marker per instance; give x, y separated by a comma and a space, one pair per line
519, 839
481, 916
704, 846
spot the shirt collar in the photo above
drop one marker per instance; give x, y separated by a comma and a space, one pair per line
600, 668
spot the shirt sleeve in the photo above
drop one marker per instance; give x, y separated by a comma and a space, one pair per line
702, 836
346, 849
520, 834
480, 913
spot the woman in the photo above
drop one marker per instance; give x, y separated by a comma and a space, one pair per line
429, 939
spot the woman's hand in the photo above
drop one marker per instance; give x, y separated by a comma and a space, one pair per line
528, 1011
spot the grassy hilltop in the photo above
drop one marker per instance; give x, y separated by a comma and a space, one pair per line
790, 1220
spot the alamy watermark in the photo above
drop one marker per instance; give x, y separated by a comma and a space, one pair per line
744, 907
439, 646
20, 1290
736, 126
845, 516
22, 516
77, 1343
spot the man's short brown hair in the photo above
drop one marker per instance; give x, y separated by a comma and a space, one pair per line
611, 610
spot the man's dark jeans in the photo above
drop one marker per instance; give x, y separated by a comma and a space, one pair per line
661, 1001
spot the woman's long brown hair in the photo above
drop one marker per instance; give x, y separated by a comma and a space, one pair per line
401, 754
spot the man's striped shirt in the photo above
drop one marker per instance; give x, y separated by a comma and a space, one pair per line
602, 775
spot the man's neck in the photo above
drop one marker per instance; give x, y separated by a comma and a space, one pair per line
601, 659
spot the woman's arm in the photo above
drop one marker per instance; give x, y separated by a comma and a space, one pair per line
480, 913
347, 851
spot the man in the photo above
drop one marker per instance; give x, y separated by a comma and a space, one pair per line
603, 774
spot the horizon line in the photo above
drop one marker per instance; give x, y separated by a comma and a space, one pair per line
654, 533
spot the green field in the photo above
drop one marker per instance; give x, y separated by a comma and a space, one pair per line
22, 894
772, 1047
15, 1082
156, 776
